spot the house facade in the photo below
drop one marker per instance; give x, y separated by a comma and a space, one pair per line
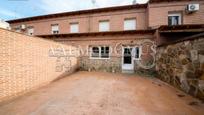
118, 39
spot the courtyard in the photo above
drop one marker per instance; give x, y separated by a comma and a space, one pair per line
98, 93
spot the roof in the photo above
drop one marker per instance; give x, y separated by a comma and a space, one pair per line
178, 33
99, 33
115, 8
199, 35
156, 1
182, 28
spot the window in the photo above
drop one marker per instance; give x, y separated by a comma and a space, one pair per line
74, 27
137, 53
104, 26
104, 52
100, 52
130, 24
174, 19
55, 29
30, 31
95, 52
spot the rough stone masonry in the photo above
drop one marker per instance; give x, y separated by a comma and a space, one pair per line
182, 65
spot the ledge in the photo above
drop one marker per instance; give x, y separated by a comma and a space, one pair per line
181, 28
143, 32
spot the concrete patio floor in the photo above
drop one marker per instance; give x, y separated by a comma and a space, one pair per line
96, 93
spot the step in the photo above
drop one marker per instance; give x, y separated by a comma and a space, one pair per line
128, 71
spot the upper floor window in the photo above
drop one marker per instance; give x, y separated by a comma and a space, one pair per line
130, 24
30, 31
174, 19
74, 27
55, 29
104, 26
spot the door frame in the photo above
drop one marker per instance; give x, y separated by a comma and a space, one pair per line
131, 66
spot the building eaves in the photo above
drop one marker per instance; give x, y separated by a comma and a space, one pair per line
182, 28
144, 32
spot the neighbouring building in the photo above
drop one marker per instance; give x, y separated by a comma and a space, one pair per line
4, 24
119, 39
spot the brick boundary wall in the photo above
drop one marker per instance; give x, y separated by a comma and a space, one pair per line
27, 63
181, 64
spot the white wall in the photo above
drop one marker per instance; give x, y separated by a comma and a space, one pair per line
4, 25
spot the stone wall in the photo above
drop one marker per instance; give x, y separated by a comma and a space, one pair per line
114, 65
106, 65
27, 63
182, 65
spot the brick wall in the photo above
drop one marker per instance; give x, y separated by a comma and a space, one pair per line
27, 63
158, 13
182, 65
88, 22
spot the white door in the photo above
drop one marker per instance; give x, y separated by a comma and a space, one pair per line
127, 59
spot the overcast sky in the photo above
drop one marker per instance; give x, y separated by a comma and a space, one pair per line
12, 9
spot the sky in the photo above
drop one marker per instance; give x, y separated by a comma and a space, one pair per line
14, 9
